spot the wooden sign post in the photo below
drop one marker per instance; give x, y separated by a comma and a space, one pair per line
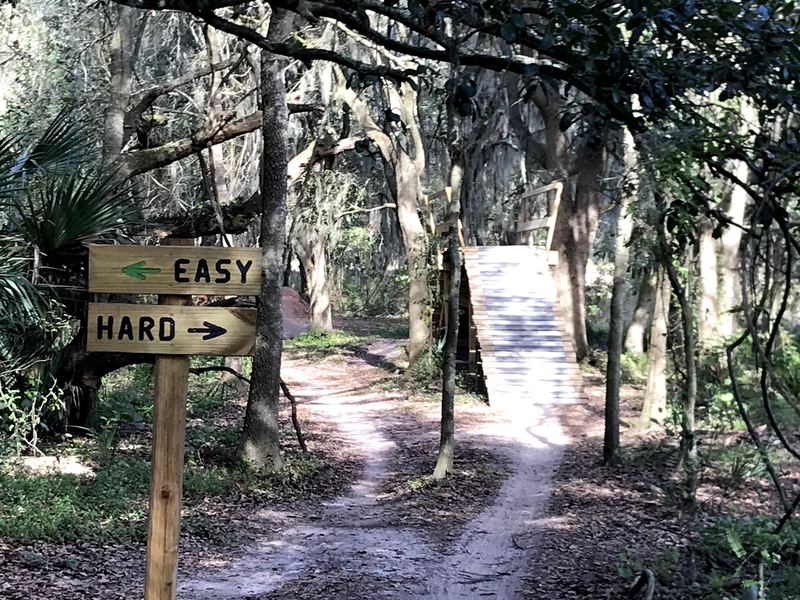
171, 375
172, 330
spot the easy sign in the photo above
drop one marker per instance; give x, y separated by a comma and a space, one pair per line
175, 270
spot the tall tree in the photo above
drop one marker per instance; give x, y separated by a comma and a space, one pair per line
260, 444
654, 408
404, 155
619, 292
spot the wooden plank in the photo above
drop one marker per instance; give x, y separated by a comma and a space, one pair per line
175, 270
533, 225
157, 329
166, 482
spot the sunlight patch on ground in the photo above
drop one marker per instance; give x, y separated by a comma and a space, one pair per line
44, 465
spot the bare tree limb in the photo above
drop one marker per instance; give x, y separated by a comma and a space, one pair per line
301, 441
141, 161
150, 95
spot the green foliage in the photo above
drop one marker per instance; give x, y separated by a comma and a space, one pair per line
127, 395
734, 550
634, 368
63, 507
428, 367
25, 412
71, 208
111, 504
737, 463
322, 340
363, 287
50, 201
716, 395
598, 302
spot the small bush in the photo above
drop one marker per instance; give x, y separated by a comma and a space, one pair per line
737, 463
735, 550
634, 368
322, 340
112, 504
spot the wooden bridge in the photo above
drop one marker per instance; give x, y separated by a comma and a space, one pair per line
512, 337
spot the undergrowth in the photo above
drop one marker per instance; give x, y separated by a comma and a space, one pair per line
111, 503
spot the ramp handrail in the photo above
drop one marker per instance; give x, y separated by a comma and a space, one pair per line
526, 225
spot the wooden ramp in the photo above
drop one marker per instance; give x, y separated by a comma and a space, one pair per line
525, 354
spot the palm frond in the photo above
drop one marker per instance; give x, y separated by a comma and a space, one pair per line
7, 162
20, 300
72, 209
58, 150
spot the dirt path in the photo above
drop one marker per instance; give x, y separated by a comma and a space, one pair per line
352, 550
490, 559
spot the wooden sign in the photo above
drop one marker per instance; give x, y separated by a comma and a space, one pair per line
159, 329
175, 270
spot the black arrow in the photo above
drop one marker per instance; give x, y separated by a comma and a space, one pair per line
209, 329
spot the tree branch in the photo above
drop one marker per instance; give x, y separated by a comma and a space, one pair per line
141, 161
150, 95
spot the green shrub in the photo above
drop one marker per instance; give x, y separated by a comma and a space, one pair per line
112, 503
634, 368
428, 367
64, 507
322, 340
735, 550
737, 463
28, 411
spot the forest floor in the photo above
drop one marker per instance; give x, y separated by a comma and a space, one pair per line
529, 512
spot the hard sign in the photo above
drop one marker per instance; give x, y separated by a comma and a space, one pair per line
161, 329
175, 270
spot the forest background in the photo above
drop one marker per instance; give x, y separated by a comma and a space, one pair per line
320, 131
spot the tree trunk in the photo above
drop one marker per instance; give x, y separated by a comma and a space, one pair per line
616, 323
415, 243
404, 179
260, 437
654, 409
447, 441
310, 248
578, 216
635, 336
122, 57
707, 313
688, 460
82, 374
730, 292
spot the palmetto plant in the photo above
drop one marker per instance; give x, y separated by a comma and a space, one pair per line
51, 200
48, 194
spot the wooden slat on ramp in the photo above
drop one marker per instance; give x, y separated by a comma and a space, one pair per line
524, 353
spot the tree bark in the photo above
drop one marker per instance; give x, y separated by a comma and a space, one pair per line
654, 409
616, 323
707, 321
260, 444
122, 58
688, 446
730, 292
578, 215
405, 183
311, 250
635, 336
447, 441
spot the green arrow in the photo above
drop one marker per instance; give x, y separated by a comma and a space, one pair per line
138, 270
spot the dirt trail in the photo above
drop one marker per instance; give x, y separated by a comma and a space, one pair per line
490, 558
350, 550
